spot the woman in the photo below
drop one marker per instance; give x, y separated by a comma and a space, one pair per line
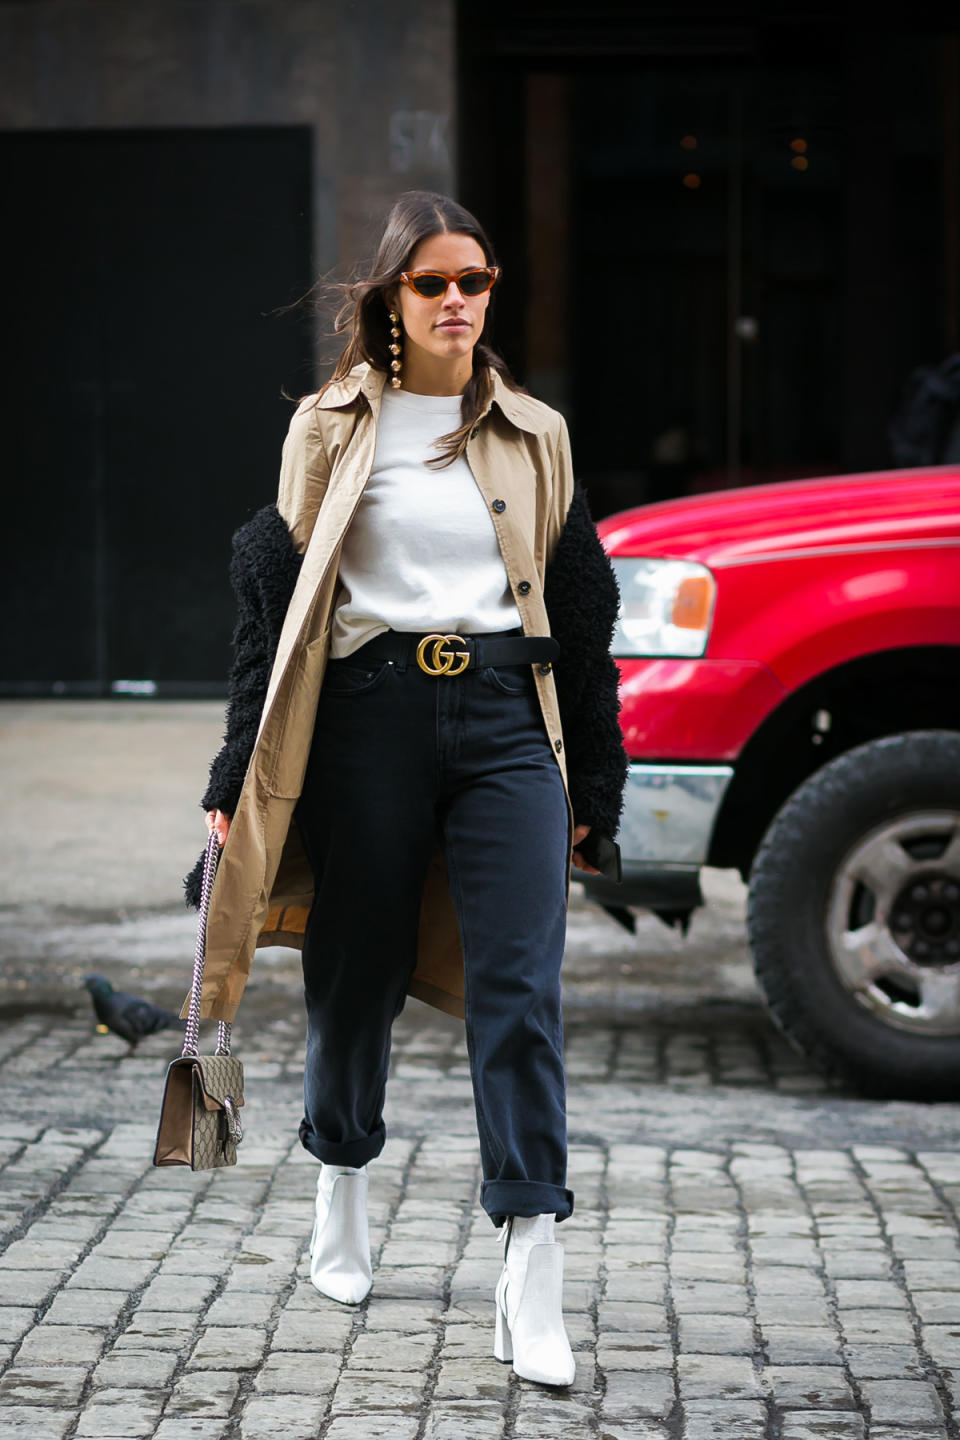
393, 778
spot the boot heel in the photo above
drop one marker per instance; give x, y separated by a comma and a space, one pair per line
502, 1339
502, 1342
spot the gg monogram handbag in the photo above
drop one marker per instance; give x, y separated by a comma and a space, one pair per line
199, 1118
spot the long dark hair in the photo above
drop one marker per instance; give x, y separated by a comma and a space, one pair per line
415, 216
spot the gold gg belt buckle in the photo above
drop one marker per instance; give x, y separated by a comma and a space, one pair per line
442, 662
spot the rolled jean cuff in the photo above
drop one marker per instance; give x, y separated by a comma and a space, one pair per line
501, 1198
354, 1152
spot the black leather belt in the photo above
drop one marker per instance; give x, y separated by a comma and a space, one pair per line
450, 654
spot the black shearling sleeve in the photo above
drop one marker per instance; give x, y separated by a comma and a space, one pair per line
582, 600
264, 566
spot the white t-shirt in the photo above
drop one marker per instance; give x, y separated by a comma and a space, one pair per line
421, 553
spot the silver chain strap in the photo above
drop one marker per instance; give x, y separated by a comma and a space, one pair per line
192, 1032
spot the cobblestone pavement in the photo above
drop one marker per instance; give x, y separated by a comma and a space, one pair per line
755, 1255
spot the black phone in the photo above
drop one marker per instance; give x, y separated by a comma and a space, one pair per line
599, 850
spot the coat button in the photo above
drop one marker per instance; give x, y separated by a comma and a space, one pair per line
524, 587
499, 506
545, 668
558, 745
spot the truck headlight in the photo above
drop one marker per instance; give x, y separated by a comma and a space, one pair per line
666, 607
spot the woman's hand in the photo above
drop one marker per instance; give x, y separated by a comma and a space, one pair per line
580, 832
216, 820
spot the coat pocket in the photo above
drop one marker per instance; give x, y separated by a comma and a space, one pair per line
287, 747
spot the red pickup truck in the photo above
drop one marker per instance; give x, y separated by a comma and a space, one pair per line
790, 682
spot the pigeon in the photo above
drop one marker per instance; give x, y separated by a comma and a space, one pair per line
126, 1015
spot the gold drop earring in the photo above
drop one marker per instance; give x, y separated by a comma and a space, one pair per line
394, 347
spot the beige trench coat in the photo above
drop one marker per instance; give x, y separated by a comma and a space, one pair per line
520, 455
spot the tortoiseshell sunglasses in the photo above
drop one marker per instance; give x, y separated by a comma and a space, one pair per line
431, 284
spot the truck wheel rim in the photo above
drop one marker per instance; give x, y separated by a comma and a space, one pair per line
893, 922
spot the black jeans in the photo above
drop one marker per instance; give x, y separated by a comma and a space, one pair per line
399, 759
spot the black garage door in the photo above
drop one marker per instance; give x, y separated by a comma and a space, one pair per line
143, 399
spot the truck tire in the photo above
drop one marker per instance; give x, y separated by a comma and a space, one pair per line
854, 917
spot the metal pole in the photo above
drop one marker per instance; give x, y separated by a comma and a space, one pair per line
734, 287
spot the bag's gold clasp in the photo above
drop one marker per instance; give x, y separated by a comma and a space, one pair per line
442, 662
234, 1125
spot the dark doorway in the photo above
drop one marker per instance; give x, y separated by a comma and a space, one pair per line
726, 243
145, 366
710, 201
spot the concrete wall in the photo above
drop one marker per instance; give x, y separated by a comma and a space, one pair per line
373, 80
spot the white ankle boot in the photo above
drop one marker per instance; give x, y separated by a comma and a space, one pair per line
530, 1329
340, 1247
